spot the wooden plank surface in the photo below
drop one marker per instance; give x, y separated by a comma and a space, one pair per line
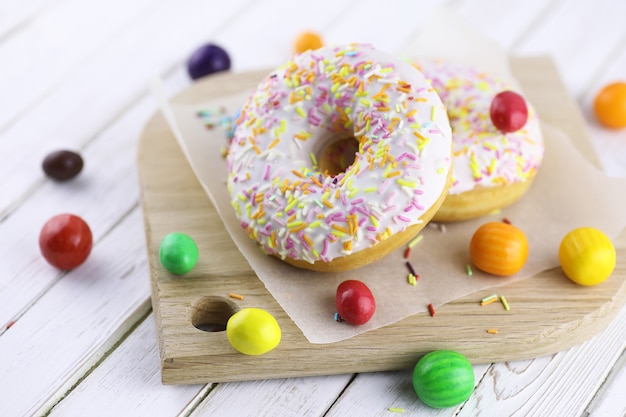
539, 323
98, 356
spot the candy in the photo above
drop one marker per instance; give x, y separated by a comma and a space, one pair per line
443, 378
65, 241
499, 248
609, 105
206, 60
355, 302
178, 253
508, 111
62, 165
587, 256
306, 41
253, 331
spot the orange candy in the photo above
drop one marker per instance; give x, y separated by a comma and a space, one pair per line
499, 249
306, 41
610, 105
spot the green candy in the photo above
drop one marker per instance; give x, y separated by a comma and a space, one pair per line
443, 378
178, 253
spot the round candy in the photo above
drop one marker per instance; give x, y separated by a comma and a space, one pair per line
62, 165
508, 111
178, 253
253, 331
587, 256
499, 248
306, 41
610, 105
65, 241
443, 378
206, 60
355, 302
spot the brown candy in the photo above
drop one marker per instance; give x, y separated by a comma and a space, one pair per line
62, 165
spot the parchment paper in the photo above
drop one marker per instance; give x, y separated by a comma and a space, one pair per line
568, 192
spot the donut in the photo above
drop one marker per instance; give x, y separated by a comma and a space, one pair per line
340, 156
491, 169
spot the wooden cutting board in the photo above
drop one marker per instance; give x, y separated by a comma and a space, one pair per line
548, 312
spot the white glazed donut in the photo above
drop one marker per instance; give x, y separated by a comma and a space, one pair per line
303, 118
492, 169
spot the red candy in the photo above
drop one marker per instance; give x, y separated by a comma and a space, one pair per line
65, 241
355, 302
508, 111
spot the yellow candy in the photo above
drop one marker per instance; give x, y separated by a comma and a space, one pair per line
587, 256
253, 331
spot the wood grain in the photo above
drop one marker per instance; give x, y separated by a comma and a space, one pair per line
548, 312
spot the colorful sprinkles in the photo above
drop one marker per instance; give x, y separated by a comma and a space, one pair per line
505, 303
493, 298
235, 296
483, 156
431, 310
488, 300
280, 194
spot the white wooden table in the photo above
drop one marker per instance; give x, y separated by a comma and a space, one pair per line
74, 74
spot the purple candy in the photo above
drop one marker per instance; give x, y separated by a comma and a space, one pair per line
206, 60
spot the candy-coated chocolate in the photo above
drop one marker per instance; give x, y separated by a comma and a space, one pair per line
65, 241
206, 60
508, 111
355, 302
62, 165
253, 331
306, 41
499, 248
178, 253
610, 105
443, 378
587, 256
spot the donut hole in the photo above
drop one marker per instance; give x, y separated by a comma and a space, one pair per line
338, 155
211, 313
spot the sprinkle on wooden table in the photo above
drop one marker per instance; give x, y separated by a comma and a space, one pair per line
410, 267
338, 318
407, 253
442, 228
492, 331
505, 220
417, 239
468, 270
396, 410
237, 296
488, 300
504, 303
431, 310
412, 279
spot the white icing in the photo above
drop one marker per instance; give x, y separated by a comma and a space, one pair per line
279, 194
483, 156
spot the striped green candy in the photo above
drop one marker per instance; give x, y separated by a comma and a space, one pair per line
443, 378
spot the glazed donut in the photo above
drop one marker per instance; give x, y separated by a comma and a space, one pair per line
491, 169
340, 156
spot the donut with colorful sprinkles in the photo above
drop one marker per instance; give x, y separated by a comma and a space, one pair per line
498, 145
340, 156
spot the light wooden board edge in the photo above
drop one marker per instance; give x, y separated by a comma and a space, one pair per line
548, 312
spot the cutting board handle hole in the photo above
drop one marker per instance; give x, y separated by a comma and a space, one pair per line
211, 313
